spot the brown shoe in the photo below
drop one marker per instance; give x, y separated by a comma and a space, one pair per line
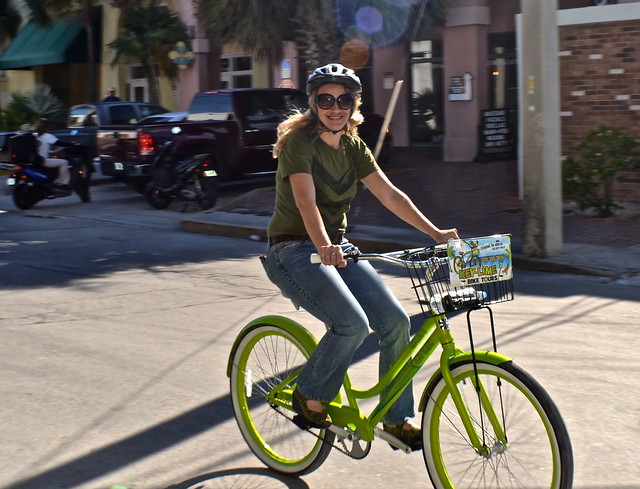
312, 418
412, 437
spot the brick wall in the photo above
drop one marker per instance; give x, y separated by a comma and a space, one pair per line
600, 84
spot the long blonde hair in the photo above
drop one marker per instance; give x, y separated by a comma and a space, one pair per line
302, 120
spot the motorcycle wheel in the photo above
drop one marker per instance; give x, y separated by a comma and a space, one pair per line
210, 194
82, 188
138, 185
157, 198
23, 197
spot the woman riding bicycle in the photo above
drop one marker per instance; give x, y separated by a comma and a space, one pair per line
320, 161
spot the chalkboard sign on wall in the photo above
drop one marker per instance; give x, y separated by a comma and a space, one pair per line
497, 136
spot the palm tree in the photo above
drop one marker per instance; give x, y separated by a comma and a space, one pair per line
9, 21
428, 13
149, 33
311, 24
125, 6
316, 41
260, 27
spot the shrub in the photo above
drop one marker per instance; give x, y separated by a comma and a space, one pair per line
26, 109
588, 177
16, 112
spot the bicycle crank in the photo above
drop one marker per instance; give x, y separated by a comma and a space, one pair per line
351, 445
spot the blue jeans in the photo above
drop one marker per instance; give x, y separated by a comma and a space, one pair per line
349, 301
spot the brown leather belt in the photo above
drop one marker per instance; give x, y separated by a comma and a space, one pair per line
274, 240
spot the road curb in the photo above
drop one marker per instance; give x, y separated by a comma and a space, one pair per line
251, 226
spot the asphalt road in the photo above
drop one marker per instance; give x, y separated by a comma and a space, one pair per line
115, 329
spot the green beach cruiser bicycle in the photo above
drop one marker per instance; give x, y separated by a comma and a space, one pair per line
486, 422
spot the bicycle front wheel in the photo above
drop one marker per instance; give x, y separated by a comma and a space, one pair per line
267, 356
526, 444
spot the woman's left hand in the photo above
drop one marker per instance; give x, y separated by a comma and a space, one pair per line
445, 235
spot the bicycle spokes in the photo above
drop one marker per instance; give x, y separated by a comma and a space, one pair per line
501, 403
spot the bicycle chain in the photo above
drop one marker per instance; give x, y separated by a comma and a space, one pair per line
308, 430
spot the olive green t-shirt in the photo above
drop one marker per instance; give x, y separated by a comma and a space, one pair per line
335, 173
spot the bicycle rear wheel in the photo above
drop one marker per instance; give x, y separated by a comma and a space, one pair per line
266, 356
537, 453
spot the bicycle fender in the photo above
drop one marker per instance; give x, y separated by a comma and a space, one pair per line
484, 356
295, 329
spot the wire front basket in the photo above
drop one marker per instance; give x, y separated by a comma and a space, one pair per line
466, 274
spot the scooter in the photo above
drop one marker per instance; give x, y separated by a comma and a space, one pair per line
190, 178
31, 181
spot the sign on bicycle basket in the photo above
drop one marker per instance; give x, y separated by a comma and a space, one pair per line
478, 261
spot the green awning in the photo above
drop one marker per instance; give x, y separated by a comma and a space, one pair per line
36, 45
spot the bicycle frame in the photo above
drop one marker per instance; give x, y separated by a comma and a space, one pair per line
433, 332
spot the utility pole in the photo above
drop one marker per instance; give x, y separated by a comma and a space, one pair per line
540, 122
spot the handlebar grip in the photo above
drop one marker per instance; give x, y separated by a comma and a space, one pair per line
315, 258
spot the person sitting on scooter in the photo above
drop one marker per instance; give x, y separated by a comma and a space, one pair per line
45, 141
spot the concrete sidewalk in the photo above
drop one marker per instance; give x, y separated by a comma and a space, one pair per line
478, 198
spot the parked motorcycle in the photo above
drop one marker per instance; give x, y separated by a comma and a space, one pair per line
191, 178
32, 182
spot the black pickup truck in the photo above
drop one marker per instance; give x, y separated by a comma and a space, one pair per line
236, 126
89, 124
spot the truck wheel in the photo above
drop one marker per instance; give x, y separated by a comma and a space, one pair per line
23, 197
157, 198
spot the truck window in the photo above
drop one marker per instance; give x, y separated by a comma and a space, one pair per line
295, 101
211, 107
147, 110
82, 116
270, 106
261, 108
122, 115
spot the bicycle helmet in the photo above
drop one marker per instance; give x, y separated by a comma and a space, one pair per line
334, 73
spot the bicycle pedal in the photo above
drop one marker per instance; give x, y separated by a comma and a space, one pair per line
301, 423
414, 446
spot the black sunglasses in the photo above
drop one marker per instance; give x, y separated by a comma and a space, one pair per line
325, 101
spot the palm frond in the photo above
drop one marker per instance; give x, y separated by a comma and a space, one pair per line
44, 103
10, 20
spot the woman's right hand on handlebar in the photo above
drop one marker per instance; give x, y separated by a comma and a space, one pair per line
332, 255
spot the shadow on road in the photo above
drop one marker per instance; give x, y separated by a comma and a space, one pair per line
162, 436
247, 478
135, 447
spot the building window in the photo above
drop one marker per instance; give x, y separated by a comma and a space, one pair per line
427, 93
137, 72
503, 71
236, 71
137, 85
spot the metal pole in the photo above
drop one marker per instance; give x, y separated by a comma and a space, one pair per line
387, 117
540, 120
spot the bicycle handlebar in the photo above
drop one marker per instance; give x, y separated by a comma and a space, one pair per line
402, 258
442, 283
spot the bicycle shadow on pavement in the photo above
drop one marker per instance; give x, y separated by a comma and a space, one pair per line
125, 451
162, 436
247, 478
